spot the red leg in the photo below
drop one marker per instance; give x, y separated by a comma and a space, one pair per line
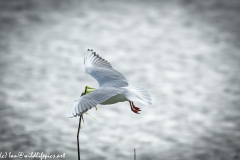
131, 106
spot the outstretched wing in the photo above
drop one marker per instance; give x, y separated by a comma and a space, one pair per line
86, 102
102, 71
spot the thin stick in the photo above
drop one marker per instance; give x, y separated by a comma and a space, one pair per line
79, 126
134, 154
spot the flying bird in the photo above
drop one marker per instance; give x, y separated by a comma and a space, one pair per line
113, 87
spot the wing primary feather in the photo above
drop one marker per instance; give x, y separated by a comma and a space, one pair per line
102, 70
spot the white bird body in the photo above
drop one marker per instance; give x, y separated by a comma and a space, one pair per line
113, 87
115, 99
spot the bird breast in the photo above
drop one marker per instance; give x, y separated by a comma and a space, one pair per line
115, 99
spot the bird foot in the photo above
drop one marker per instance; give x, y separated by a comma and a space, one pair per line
134, 108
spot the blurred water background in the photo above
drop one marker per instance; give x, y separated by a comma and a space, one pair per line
184, 52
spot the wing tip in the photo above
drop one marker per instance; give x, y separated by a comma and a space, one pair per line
92, 58
74, 112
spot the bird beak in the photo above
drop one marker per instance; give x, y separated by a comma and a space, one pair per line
89, 89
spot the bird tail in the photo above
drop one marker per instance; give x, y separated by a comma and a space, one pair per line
138, 94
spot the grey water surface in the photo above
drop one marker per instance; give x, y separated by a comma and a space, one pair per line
186, 53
